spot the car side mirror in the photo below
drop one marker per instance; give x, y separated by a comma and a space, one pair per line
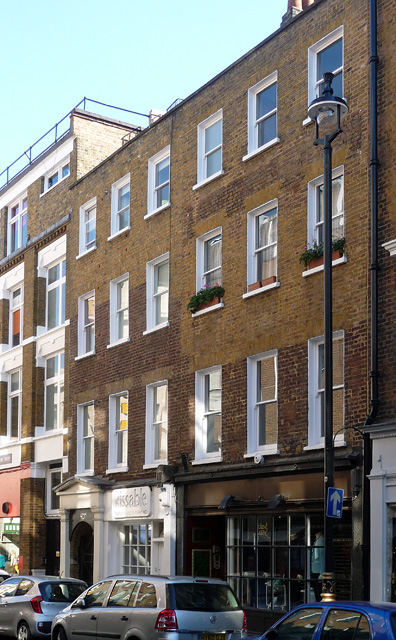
79, 604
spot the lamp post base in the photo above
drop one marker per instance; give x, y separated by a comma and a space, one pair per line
328, 587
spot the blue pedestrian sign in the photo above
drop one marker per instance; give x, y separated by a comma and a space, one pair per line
334, 502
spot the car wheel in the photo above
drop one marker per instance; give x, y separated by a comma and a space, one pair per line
24, 631
59, 634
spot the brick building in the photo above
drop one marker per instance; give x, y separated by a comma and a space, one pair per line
193, 442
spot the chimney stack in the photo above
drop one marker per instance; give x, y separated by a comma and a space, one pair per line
294, 7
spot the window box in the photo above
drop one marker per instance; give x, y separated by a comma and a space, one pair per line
261, 283
205, 297
210, 303
317, 262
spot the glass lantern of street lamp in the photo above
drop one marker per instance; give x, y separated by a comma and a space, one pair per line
327, 109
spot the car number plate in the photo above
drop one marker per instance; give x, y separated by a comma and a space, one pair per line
213, 636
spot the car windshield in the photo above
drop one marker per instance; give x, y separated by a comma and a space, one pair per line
204, 597
61, 591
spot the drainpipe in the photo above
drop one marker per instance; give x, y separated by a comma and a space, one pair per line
374, 401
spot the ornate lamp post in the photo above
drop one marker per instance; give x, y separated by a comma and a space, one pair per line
327, 111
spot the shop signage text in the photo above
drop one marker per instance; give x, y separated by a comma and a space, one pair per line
131, 503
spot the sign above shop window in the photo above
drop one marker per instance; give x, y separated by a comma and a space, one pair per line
131, 503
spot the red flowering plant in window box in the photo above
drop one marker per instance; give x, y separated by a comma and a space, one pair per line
205, 297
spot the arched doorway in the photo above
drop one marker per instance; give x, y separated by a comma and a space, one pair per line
81, 552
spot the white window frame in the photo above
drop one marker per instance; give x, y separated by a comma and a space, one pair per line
116, 311
201, 273
14, 309
11, 395
201, 453
87, 208
151, 459
49, 489
83, 326
115, 430
253, 446
253, 146
57, 171
58, 381
202, 176
18, 220
152, 296
115, 188
251, 242
153, 188
313, 186
315, 440
313, 52
82, 439
60, 285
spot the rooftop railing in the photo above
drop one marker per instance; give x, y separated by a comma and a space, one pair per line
56, 133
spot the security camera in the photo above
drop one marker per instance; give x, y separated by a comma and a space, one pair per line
259, 458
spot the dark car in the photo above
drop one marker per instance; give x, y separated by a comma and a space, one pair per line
336, 621
29, 603
153, 607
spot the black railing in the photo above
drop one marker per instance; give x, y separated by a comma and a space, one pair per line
53, 135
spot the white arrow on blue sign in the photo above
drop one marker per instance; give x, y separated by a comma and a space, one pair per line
334, 502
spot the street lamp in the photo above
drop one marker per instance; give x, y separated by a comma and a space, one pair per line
327, 111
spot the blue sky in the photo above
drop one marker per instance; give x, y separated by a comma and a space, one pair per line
135, 55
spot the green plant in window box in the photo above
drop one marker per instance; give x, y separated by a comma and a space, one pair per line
315, 251
204, 295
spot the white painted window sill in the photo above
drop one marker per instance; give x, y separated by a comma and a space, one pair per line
207, 461
163, 325
202, 183
116, 344
249, 294
337, 443
154, 465
85, 253
310, 272
154, 212
85, 355
118, 470
118, 233
202, 311
85, 474
271, 451
256, 152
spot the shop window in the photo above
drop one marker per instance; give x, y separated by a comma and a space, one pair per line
271, 559
136, 545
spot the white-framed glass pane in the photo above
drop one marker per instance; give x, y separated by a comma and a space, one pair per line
212, 261
265, 118
90, 227
212, 148
266, 236
330, 59
160, 418
121, 420
123, 206
337, 185
122, 309
162, 182
161, 285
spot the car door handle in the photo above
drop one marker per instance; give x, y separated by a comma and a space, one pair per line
124, 618
93, 617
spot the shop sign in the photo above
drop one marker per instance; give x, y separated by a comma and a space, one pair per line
11, 527
131, 503
6, 458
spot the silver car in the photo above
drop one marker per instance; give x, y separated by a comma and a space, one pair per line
29, 603
153, 608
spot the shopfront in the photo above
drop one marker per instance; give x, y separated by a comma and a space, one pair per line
121, 530
265, 536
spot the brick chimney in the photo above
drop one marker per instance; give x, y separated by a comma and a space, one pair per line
294, 7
